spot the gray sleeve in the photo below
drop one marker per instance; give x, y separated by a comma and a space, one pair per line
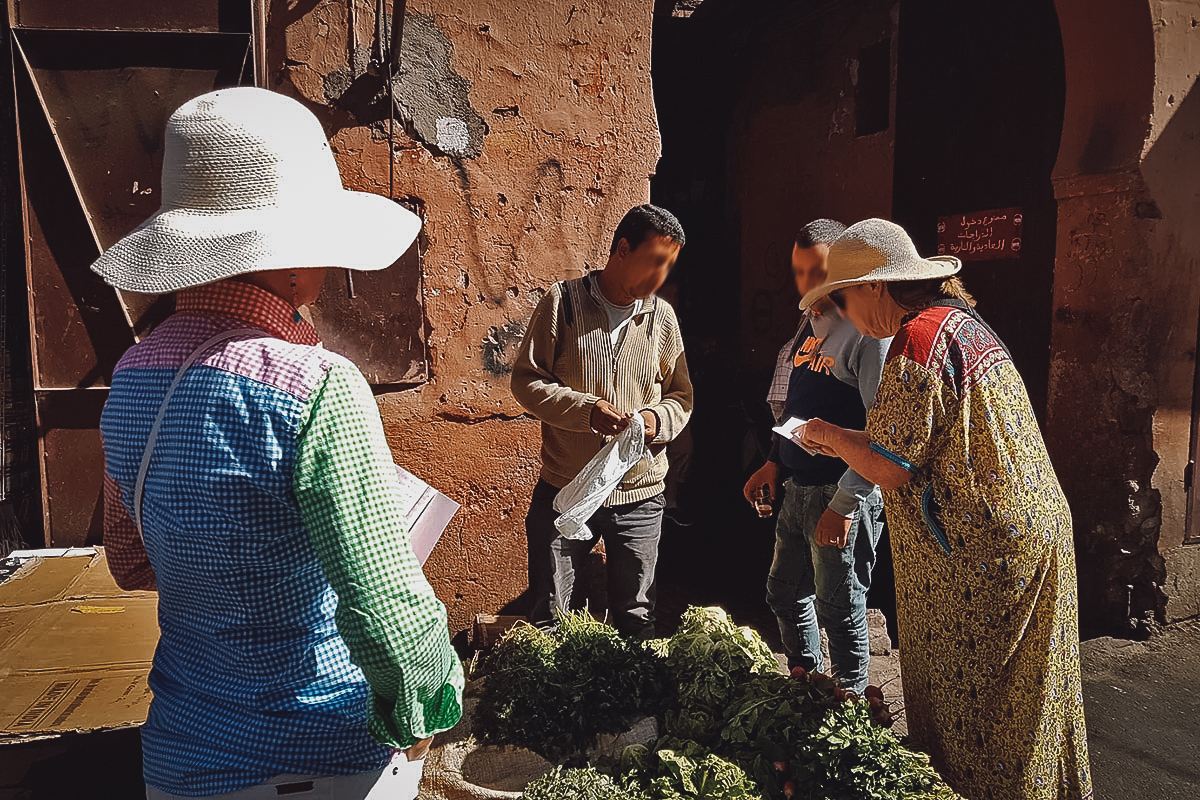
867, 363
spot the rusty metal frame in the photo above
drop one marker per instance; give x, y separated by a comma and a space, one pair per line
259, 43
1191, 525
132, 15
74, 203
60, 205
371, 320
355, 315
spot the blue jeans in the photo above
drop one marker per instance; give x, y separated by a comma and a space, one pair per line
810, 582
630, 532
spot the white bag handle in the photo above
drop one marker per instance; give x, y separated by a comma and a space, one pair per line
140, 487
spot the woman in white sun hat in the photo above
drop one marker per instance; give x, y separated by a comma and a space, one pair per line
248, 479
981, 532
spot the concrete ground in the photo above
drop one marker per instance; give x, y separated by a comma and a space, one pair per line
884, 670
1142, 703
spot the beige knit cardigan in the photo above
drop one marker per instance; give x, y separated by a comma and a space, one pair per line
567, 362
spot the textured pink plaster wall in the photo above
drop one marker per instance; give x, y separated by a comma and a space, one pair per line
552, 107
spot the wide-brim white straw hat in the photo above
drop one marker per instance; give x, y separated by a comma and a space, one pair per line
249, 183
877, 250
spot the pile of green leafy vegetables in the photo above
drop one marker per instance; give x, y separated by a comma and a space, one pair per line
673, 770
678, 769
710, 660
555, 691
800, 738
584, 783
734, 727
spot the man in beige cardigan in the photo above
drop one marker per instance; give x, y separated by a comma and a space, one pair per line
602, 352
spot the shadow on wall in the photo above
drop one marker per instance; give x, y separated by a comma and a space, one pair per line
1171, 171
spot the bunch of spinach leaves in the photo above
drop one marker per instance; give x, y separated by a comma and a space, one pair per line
794, 730
796, 737
737, 729
710, 661
678, 769
580, 783
673, 769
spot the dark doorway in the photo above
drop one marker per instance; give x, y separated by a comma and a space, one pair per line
774, 112
979, 109
720, 558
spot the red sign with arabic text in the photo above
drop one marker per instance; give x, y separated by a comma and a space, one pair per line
981, 235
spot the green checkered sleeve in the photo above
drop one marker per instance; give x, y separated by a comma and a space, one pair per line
391, 621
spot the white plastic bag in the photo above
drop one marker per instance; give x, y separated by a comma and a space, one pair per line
587, 491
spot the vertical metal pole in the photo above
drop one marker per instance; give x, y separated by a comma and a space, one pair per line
260, 43
390, 66
352, 28
393, 66
379, 45
5, 371
398, 9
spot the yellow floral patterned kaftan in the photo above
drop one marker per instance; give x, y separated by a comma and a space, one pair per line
985, 567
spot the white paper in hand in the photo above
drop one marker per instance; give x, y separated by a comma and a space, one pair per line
426, 511
579, 499
793, 430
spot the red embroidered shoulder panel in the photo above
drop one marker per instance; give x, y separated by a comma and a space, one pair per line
951, 344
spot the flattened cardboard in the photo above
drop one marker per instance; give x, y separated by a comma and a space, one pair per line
75, 649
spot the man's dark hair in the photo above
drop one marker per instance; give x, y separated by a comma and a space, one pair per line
643, 220
819, 231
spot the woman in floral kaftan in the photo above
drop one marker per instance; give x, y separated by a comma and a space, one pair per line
981, 531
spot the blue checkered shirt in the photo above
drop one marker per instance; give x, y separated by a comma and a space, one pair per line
298, 633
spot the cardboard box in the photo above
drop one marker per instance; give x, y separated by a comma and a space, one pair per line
75, 655
75, 649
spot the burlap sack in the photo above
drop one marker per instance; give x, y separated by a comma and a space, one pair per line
459, 768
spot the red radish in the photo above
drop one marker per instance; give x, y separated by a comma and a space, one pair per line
798, 673
781, 766
823, 682
789, 789
882, 715
873, 691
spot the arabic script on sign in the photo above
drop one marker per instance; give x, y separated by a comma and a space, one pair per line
981, 234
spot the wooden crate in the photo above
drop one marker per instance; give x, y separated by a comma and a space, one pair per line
489, 628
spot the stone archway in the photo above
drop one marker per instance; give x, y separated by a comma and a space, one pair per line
1126, 303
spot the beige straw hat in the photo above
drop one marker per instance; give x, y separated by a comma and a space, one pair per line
250, 184
877, 250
